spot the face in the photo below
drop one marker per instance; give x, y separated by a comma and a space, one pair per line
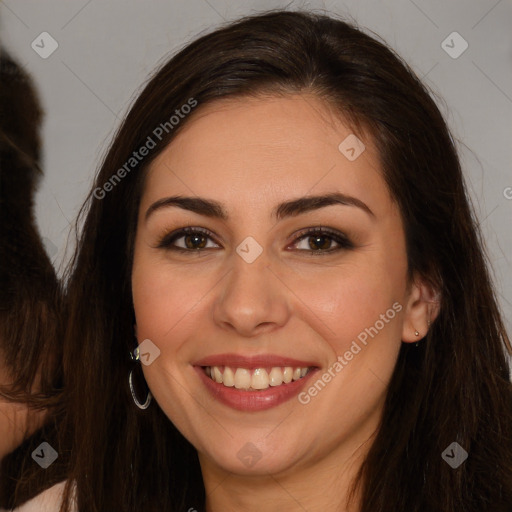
278, 318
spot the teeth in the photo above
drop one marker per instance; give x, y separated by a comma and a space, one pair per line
242, 378
287, 375
217, 375
276, 377
228, 377
257, 379
260, 379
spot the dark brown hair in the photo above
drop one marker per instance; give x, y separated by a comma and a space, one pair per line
30, 294
454, 387
29, 284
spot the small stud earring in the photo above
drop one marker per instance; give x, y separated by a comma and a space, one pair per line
416, 333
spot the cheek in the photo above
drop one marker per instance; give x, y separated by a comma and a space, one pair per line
355, 297
359, 314
170, 307
163, 297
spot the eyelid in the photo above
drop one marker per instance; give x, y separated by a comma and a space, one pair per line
166, 241
343, 241
339, 237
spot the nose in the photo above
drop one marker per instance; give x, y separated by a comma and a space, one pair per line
252, 299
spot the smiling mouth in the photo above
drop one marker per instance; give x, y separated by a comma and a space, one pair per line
257, 379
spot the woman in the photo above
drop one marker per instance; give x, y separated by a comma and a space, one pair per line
279, 243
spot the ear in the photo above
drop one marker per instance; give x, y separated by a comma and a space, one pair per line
421, 309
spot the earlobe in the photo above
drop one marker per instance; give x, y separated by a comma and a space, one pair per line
421, 309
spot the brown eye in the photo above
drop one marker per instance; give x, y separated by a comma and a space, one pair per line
320, 240
193, 239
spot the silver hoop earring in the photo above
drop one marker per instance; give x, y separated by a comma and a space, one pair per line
149, 396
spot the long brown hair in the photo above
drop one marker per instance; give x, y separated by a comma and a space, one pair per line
30, 294
29, 291
454, 387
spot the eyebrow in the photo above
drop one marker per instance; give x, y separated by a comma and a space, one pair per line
214, 209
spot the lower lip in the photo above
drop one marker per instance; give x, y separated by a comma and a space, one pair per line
253, 400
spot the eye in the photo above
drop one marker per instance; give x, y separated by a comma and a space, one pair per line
319, 240
194, 240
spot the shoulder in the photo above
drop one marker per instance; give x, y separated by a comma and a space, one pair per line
48, 501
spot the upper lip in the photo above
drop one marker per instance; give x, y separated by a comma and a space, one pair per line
251, 362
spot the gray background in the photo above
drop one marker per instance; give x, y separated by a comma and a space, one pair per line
106, 50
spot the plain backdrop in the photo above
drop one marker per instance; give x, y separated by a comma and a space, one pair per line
106, 49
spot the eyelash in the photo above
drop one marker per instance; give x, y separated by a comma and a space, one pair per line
344, 243
342, 240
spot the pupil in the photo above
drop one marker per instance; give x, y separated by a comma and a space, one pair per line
316, 239
195, 238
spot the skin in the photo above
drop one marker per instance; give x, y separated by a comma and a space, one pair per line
251, 154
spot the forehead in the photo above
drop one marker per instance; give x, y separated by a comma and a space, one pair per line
250, 149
